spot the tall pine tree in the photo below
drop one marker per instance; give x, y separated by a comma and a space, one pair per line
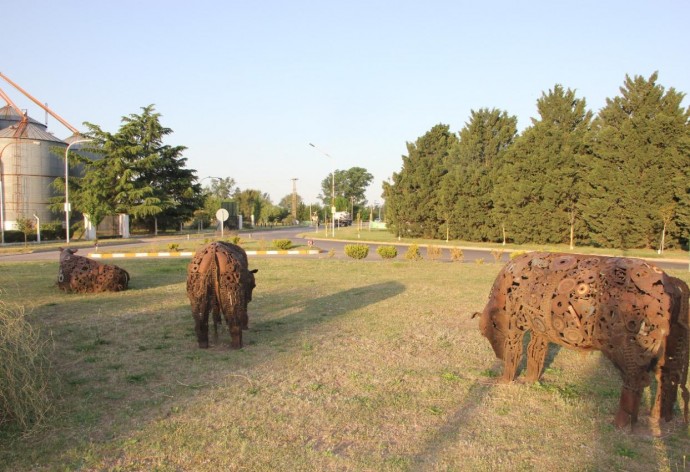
466, 191
413, 197
148, 178
638, 175
538, 189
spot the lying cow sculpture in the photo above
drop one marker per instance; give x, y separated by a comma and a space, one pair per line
219, 280
81, 274
630, 310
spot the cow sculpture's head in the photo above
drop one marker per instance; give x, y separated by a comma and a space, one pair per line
66, 253
489, 328
495, 319
251, 284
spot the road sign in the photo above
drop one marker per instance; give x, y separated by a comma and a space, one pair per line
222, 215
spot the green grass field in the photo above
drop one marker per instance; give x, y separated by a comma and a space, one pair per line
348, 365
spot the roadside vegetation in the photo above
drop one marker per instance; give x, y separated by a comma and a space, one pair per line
383, 237
347, 366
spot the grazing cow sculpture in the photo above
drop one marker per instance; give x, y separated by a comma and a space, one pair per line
219, 280
630, 310
81, 274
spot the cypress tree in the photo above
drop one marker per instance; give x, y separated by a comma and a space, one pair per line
538, 186
413, 197
466, 191
638, 174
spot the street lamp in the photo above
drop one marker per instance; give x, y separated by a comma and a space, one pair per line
332, 185
67, 207
210, 177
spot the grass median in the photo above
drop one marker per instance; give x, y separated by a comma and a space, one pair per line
347, 366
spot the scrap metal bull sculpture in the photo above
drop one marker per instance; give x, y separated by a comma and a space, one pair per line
631, 311
219, 280
81, 274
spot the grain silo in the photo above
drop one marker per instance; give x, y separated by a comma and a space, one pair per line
9, 117
30, 160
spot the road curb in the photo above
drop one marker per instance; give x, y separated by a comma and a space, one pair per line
182, 254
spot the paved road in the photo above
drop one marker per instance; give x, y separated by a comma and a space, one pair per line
470, 254
327, 243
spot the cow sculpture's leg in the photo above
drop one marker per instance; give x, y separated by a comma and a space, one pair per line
512, 352
536, 356
628, 407
235, 324
216, 320
200, 311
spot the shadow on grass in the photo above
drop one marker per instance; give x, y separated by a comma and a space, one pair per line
671, 439
450, 432
551, 353
315, 311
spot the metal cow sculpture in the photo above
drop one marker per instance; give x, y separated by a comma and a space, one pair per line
630, 310
219, 280
81, 274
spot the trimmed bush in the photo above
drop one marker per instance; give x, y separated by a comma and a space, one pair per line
433, 252
173, 247
24, 371
515, 254
282, 244
456, 254
356, 251
497, 255
413, 253
387, 252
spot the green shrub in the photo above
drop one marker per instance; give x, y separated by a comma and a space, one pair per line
356, 251
14, 236
515, 254
433, 252
387, 252
456, 254
24, 381
173, 247
282, 244
413, 253
52, 231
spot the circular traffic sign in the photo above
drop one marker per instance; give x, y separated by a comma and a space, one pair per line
222, 215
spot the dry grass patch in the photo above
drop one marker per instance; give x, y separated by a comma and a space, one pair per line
347, 366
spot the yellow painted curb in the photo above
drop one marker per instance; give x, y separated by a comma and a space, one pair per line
126, 255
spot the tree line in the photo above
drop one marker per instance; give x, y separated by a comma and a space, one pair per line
133, 171
616, 179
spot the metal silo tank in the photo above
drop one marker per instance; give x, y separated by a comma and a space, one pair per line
9, 117
30, 160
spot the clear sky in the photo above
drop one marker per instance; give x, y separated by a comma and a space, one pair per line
247, 85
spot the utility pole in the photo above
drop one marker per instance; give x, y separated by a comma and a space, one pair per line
294, 197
